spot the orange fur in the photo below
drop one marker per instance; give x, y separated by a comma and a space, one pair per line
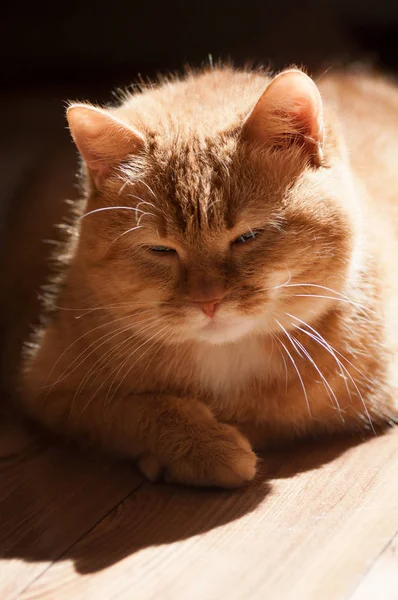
303, 340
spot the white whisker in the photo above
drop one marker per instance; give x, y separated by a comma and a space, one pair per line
132, 366
149, 188
321, 340
120, 192
141, 201
105, 357
326, 384
345, 300
296, 369
97, 210
118, 369
109, 335
275, 337
125, 233
74, 343
85, 310
332, 351
276, 287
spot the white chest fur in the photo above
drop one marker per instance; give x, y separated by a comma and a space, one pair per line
222, 369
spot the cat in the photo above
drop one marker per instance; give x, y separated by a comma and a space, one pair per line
230, 280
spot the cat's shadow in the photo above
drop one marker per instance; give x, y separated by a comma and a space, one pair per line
58, 502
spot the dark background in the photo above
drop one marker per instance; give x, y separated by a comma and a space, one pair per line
110, 42
51, 53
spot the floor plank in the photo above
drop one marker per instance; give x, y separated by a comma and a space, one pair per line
50, 496
382, 579
311, 532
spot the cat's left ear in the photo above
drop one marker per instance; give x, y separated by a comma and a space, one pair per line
289, 111
102, 139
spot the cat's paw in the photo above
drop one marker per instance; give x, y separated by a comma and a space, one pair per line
217, 455
150, 466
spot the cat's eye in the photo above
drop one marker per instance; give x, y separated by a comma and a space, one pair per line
246, 237
164, 249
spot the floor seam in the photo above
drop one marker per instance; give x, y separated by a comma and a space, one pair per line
367, 571
79, 539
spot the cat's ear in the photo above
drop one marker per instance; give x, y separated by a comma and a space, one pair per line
102, 139
290, 110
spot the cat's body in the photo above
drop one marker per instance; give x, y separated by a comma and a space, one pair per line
293, 332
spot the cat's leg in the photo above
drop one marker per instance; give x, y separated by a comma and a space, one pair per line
175, 438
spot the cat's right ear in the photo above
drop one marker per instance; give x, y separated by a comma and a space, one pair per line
290, 111
103, 140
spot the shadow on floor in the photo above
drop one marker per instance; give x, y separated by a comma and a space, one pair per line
53, 494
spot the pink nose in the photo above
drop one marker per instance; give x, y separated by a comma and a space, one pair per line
209, 308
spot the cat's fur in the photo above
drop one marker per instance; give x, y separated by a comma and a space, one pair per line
187, 361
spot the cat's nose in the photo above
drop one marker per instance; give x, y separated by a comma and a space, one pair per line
209, 307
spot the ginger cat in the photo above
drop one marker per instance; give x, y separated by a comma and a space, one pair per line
232, 277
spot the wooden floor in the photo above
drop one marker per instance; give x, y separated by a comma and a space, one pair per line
319, 523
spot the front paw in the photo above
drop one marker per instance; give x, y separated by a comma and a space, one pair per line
215, 455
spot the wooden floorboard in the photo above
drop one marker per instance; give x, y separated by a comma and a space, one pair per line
50, 496
312, 526
382, 579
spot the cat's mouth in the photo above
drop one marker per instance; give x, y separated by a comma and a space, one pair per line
214, 325
223, 329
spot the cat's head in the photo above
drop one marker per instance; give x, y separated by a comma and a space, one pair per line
211, 217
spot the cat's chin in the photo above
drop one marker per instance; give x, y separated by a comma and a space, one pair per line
221, 332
